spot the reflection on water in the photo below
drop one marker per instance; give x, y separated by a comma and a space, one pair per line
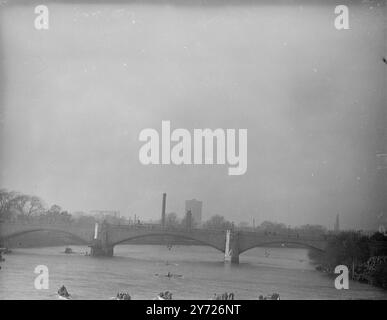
136, 269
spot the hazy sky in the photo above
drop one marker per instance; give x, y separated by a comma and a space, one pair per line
74, 99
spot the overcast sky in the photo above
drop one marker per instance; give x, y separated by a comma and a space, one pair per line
74, 99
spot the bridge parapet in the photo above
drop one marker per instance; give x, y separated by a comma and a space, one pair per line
248, 241
81, 233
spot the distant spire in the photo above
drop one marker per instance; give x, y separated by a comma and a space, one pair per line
337, 224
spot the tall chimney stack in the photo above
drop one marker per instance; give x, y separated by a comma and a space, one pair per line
163, 209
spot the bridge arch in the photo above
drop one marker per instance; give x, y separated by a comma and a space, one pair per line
299, 243
20, 233
173, 235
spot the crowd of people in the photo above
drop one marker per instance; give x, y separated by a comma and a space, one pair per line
166, 295
274, 296
224, 296
123, 296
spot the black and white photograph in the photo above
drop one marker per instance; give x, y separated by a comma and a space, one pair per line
193, 150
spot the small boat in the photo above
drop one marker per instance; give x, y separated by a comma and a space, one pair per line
6, 250
169, 275
68, 250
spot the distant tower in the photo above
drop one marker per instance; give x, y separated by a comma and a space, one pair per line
189, 220
163, 209
195, 207
337, 224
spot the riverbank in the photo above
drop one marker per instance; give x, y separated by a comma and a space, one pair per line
373, 272
365, 257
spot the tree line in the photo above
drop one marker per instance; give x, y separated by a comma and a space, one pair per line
219, 222
365, 256
16, 206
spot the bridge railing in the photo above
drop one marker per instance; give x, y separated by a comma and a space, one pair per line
158, 227
263, 233
43, 224
288, 235
35, 223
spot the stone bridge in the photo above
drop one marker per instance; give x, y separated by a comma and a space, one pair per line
103, 237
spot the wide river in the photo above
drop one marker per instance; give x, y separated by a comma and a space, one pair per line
138, 269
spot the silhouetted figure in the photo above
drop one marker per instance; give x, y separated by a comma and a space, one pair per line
123, 296
63, 292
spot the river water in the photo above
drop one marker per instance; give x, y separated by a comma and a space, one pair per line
138, 269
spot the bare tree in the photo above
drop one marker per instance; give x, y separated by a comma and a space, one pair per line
171, 220
27, 205
6, 198
55, 209
218, 222
34, 206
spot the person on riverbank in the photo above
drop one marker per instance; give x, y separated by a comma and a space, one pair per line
123, 296
63, 292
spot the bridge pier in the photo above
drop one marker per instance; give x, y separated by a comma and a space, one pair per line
97, 250
235, 253
231, 252
235, 259
100, 246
